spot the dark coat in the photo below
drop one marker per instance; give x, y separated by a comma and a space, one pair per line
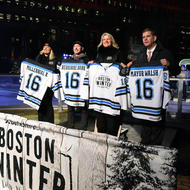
159, 53
41, 58
44, 60
82, 58
109, 55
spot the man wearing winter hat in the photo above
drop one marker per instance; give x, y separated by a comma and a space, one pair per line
79, 55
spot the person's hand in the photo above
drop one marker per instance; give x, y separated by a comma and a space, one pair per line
128, 64
41, 52
165, 62
90, 62
123, 65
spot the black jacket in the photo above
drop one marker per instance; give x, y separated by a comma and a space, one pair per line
109, 55
159, 53
41, 58
82, 58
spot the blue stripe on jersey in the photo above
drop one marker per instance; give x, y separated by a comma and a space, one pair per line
143, 110
166, 86
145, 68
44, 69
85, 81
71, 63
120, 91
75, 98
29, 98
93, 64
57, 86
117, 66
104, 102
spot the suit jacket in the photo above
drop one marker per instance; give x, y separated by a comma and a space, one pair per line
159, 53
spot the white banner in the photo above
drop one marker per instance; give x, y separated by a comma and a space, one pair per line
39, 155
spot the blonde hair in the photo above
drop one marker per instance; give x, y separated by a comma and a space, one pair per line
51, 54
113, 42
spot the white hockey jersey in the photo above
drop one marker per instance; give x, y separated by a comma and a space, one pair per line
35, 79
107, 89
149, 92
72, 75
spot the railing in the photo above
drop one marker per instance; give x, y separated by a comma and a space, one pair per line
180, 93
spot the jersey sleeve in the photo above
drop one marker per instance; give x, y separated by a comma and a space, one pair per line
85, 86
121, 93
167, 89
21, 72
57, 87
128, 92
19, 96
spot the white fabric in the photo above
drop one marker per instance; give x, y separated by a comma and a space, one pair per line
40, 155
107, 89
149, 92
72, 78
34, 82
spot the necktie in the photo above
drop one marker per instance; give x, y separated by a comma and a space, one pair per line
149, 56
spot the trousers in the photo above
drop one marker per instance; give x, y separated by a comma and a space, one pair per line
45, 111
108, 123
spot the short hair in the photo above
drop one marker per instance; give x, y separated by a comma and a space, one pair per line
150, 30
113, 42
78, 42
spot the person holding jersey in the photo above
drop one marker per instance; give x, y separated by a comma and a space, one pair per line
78, 55
46, 112
108, 53
153, 54
153, 51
